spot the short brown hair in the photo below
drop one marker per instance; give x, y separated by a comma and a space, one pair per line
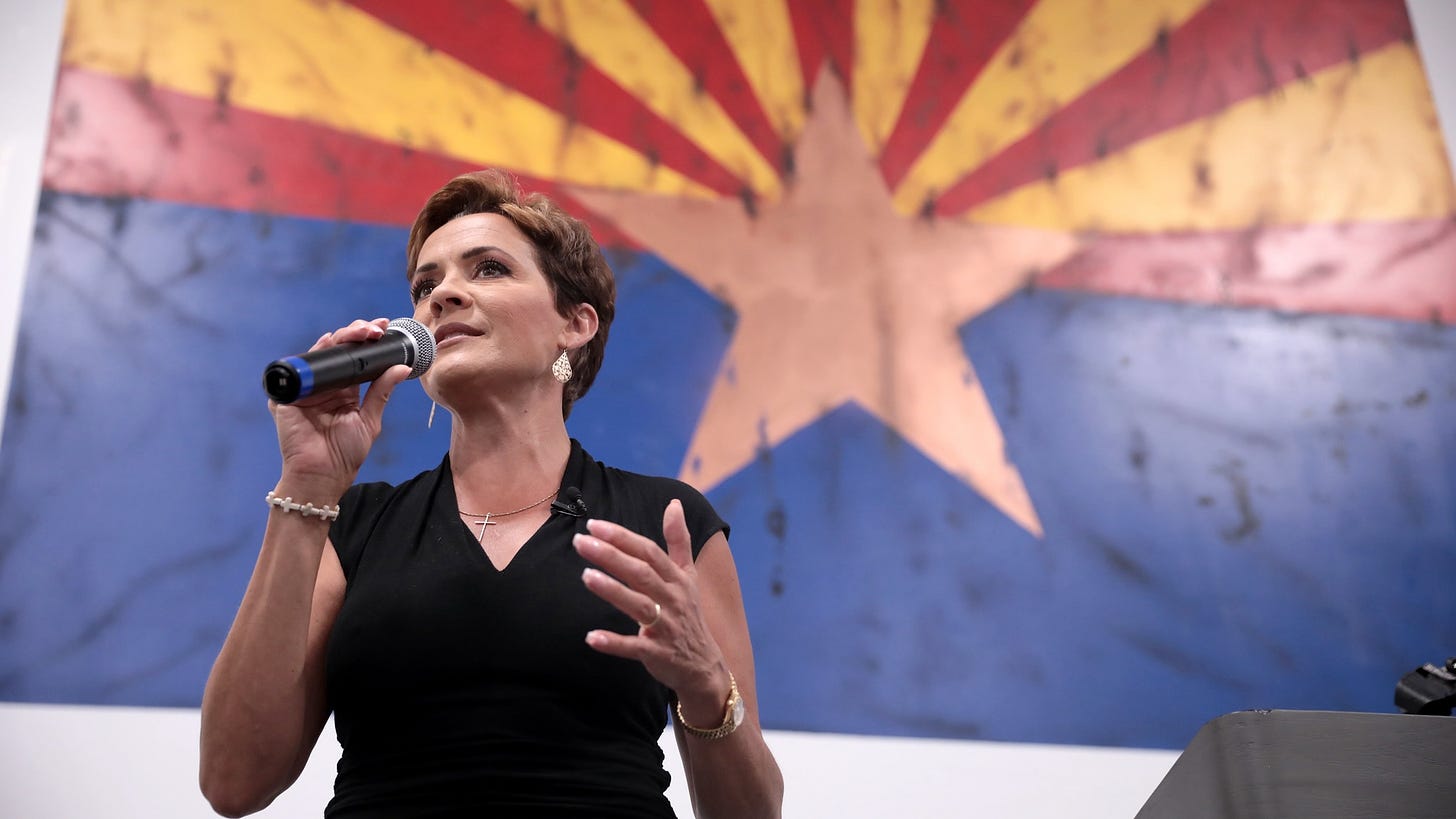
574, 265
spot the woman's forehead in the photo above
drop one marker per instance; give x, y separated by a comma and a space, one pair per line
475, 230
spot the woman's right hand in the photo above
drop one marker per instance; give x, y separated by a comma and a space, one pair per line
327, 436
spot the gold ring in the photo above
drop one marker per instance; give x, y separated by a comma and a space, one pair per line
656, 615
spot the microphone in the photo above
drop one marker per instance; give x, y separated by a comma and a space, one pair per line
406, 341
573, 505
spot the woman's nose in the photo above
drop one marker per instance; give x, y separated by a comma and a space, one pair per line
447, 294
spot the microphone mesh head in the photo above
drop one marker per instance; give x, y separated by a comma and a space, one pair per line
424, 344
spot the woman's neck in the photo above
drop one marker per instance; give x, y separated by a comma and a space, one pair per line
504, 461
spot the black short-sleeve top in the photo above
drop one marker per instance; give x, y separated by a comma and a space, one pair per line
460, 689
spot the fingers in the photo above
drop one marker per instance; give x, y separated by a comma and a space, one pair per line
625, 558
355, 332
383, 387
638, 546
638, 578
675, 531
640, 607
618, 645
325, 340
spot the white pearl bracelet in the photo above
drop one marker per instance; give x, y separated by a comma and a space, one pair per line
308, 510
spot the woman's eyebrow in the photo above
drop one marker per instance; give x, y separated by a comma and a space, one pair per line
466, 256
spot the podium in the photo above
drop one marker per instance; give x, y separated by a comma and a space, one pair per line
1312, 765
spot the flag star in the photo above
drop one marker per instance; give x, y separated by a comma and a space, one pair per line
841, 298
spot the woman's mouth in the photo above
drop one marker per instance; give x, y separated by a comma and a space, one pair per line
453, 333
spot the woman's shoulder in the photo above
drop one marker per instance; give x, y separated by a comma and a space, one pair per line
655, 484
365, 502
369, 505
657, 487
373, 492
637, 500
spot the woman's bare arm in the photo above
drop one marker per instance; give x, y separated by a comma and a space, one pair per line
735, 776
265, 703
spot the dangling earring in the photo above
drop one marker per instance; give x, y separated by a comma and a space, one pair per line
431, 422
561, 368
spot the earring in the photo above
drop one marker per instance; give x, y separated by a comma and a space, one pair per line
431, 422
561, 368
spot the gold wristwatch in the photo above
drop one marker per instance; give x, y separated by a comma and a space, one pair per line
732, 716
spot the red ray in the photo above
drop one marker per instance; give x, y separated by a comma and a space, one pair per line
118, 137
1230, 51
500, 41
824, 29
688, 29
1396, 270
964, 36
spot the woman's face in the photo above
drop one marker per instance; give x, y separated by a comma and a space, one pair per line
477, 287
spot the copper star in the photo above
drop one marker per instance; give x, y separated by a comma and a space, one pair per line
841, 298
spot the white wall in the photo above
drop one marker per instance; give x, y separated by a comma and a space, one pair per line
1435, 25
30, 39
65, 761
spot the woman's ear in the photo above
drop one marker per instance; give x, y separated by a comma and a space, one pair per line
581, 326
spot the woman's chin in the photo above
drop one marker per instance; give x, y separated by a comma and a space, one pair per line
449, 374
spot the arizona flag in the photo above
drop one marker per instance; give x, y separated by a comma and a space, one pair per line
1070, 372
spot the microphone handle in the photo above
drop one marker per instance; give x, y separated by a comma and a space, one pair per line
299, 376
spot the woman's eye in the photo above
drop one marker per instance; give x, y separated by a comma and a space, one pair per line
490, 267
421, 289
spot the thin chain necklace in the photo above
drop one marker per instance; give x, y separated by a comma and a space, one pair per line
486, 518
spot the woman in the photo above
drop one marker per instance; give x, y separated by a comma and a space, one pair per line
503, 635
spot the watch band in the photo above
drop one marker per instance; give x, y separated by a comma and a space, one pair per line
732, 715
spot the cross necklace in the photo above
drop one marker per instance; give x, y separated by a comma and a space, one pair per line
485, 519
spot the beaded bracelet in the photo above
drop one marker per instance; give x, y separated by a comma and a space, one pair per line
308, 510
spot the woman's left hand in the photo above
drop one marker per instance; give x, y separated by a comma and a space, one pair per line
660, 592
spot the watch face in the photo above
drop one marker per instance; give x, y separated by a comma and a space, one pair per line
738, 711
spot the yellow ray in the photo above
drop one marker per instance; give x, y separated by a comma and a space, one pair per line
1354, 142
762, 38
888, 43
1061, 48
614, 39
325, 62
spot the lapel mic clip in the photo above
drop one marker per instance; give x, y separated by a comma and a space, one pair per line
569, 502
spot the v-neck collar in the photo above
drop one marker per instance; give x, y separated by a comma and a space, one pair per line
448, 528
